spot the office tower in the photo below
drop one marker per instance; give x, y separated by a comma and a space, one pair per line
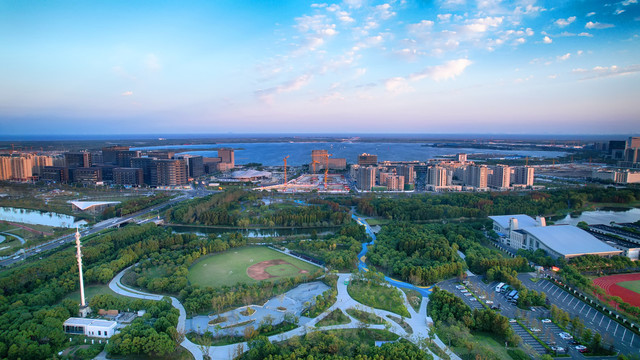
227, 156
195, 164
39, 162
408, 171
501, 177
143, 163
77, 159
165, 172
523, 175
128, 176
109, 154
461, 157
59, 174
123, 158
87, 175
367, 160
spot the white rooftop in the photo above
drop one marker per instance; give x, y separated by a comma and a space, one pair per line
569, 240
77, 321
84, 205
523, 220
242, 174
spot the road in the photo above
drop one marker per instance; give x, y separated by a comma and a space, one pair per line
113, 222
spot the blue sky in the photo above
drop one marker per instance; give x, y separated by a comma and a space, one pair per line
449, 66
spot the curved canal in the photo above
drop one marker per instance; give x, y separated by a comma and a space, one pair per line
362, 265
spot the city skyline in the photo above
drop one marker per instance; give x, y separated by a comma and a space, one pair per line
356, 66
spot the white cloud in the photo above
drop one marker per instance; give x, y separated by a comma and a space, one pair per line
597, 25
619, 11
318, 5
298, 83
446, 71
127, 93
629, 2
564, 57
345, 17
483, 24
356, 4
585, 34
421, 27
444, 17
604, 71
591, 14
565, 22
547, 40
397, 85
521, 40
579, 52
384, 11
333, 8
152, 62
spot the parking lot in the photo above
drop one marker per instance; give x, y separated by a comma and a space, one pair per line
528, 339
612, 332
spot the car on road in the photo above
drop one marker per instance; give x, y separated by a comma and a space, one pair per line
581, 348
546, 321
565, 336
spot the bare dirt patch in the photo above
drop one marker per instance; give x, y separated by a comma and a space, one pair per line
258, 271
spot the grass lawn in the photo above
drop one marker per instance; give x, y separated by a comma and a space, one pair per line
487, 341
631, 285
374, 222
336, 317
378, 296
230, 267
89, 292
365, 316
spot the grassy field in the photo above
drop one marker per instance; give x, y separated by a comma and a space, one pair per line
89, 292
631, 285
336, 317
230, 267
378, 296
414, 297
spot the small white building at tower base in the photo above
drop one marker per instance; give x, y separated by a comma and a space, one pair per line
90, 327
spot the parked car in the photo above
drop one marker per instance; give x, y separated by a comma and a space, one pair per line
489, 302
581, 348
512, 320
535, 329
557, 349
565, 336
546, 321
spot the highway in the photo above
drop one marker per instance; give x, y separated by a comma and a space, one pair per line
113, 222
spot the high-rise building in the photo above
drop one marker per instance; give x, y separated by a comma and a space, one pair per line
5, 168
476, 176
128, 176
367, 160
39, 162
437, 176
21, 167
195, 164
337, 163
161, 154
395, 183
109, 154
460, 157
367, 178
78, 159
143, 163
408, 171
227, 156
523, 175
87, 175
501, 177
59, 174
123, 158
320, 157
165, 172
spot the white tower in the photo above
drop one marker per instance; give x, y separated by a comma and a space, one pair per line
84, 309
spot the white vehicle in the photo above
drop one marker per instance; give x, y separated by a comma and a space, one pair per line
512, 320
489, 302
467, 294
473, 299
546, 321
535, 329
565, 336
459, 287
557, 348
499, 287
482, 297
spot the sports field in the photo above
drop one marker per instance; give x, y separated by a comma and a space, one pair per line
626, 286
248, 265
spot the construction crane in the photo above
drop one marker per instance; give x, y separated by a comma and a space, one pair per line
313, 164
285, 170
326, 170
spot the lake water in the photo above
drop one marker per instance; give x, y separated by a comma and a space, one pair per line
36, 217
271, 154
602, 217
253, 233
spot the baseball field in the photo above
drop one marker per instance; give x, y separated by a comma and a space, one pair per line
626, 286
248, 265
